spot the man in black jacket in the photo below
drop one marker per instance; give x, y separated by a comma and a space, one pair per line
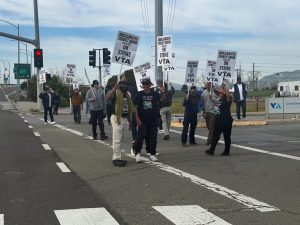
240, 95
48, 101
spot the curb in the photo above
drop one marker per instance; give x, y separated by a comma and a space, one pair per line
202, 124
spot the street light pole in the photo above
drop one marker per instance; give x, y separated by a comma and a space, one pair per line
18, 30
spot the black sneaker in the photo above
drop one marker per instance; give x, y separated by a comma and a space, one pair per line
94, 137
103, 137
119, 162
225, 154
167, 137
209, 152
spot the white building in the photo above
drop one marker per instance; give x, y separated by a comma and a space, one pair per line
289, 88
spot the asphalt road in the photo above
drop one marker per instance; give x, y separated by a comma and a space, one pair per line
258, 184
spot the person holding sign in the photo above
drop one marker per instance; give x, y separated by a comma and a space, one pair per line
77, 103
240, 95
166, 108
223, 122
122, 107
147, 116
209, 98
191, 104
97, 100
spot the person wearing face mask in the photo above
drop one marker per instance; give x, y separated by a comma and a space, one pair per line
166, 108
122, 107
191, 103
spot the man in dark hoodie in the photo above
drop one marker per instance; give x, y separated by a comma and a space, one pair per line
191, 102
48, 102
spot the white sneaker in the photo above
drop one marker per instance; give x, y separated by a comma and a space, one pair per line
153, 158
157, 153
45, 123
132, 152
245, 118
138, 158
52, 122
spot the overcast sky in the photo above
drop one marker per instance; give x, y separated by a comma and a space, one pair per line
264, 32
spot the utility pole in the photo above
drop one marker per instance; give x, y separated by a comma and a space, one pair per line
158, 32
253, 76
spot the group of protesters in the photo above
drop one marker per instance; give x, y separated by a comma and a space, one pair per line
141, 112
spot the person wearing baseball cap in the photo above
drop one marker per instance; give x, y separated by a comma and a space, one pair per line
97, 100
147, 116
223, 121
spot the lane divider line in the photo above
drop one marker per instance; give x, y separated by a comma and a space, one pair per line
248, 148
37, 134
243, 199
46, 147
63, 167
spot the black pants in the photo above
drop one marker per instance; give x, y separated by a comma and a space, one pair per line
97, 117
147, 132
134, 127
108, 112
77, 113
189, 121
241, 104
222, 126
46, 110
55, 108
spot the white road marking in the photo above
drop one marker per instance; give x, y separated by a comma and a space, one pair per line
46, 147
30, 127
189, 214
1, 219
22, 117
26, 121
249, 202
245, 200
248, 148
86, 216
36, 134
63, 167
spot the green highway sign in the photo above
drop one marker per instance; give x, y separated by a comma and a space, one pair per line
22, 71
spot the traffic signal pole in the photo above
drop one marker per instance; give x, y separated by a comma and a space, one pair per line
39, 87
100, 75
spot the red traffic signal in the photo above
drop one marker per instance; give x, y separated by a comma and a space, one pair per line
38, 58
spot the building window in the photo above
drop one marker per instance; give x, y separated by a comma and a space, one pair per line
281, 88
296, 88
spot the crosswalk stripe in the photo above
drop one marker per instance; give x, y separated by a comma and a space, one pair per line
189, 214
1, 219
63, 167
85, 216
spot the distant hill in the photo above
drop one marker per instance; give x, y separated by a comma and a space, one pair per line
273, 79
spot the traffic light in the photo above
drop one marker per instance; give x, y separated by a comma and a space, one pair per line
38, 58
92, 58
48, 76
106, 56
